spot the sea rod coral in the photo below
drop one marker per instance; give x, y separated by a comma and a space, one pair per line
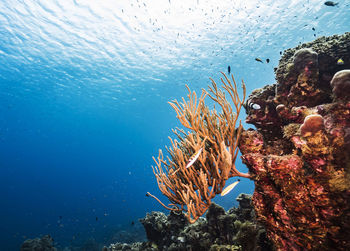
190, 189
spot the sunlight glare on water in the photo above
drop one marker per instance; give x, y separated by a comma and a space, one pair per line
119, 45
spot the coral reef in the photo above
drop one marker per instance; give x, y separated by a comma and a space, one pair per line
309, 86
136, 246
235, 229
44, 243
298, 156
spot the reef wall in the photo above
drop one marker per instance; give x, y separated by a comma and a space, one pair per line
299, 154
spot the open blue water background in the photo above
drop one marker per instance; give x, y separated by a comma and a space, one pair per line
84, 87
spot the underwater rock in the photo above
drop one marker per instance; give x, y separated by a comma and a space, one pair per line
217, 247
301, 168
305, 57
159, 227
329, 49
312, 124
245, 211
341, 85
235, 229
265, 118
44, 243
309, 85
137, 246
154, 224
245, 201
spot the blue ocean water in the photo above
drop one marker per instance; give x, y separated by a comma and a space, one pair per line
84, 87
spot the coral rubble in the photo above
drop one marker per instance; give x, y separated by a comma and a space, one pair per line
299, 154
235, 229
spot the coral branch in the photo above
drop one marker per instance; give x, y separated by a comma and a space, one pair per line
216, 135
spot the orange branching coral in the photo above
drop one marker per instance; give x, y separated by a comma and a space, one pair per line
191, 189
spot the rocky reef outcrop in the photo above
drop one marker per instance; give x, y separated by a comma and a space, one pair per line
44, 243
299, 154
235, 229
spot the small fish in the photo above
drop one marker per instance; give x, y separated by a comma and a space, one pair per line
193, 158
330, 3
132, 223
340, 61
255, 106
229, 70
259, 60
313, 28
267, 60
229, 188
96, 218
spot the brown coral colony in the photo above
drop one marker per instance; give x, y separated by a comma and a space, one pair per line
341, 85
301, 169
